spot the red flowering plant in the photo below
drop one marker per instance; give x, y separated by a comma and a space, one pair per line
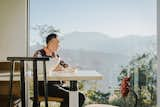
124, 82
124, 88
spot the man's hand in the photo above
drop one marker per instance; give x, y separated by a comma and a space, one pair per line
66, 69
59, 68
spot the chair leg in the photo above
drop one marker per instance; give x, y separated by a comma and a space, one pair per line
39, 104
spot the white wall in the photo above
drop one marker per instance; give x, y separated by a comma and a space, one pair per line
13, 28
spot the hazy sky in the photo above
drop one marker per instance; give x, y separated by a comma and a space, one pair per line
115, 18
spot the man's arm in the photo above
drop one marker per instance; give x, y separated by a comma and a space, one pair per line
37, 54
62, 63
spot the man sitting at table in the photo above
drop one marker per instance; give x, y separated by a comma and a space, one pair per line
55, 88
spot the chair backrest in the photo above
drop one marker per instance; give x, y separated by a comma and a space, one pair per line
4, 85
35, 78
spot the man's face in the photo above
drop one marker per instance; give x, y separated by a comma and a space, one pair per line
53, 44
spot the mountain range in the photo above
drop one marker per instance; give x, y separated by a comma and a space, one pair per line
128, 45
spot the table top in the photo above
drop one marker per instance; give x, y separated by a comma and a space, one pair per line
61, 75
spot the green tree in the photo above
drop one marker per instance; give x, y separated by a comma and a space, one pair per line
143, 70
44, 30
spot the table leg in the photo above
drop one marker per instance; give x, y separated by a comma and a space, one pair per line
73, 95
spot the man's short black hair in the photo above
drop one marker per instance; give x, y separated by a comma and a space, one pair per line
50, 37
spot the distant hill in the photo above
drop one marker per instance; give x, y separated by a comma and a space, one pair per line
129, 45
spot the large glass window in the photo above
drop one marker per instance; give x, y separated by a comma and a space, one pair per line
115, 38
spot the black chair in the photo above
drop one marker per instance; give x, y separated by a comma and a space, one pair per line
22, 79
